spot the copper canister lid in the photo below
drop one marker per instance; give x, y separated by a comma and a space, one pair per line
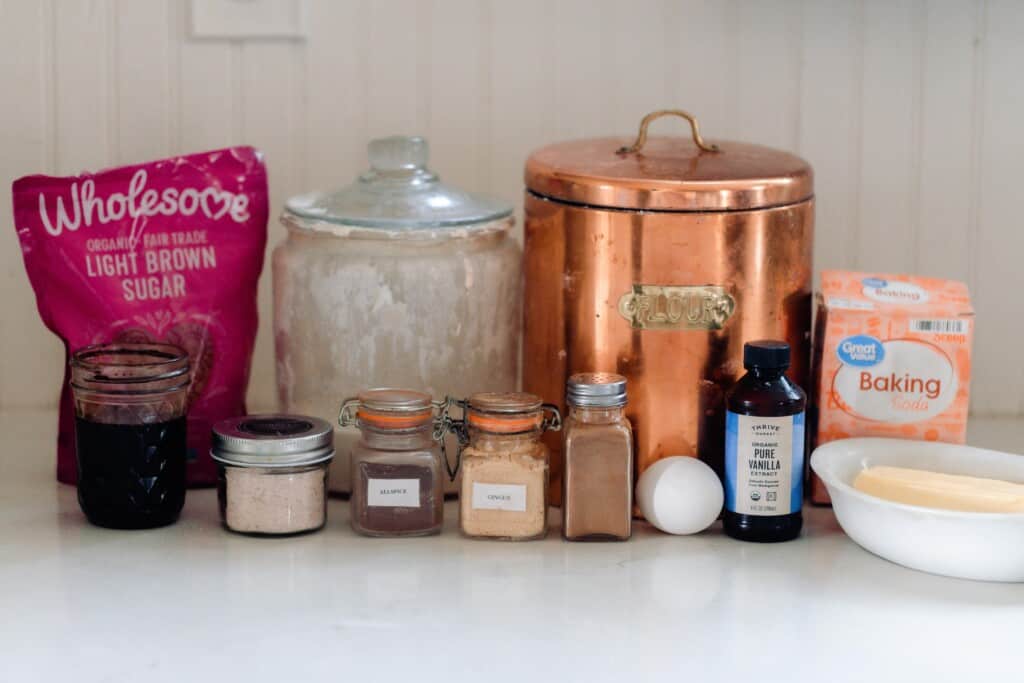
668, 173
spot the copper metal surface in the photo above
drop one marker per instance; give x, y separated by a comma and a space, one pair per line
658, 261
580, 261
668, 174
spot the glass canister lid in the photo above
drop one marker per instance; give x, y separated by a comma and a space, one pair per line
272, 441
399, 192
668, 173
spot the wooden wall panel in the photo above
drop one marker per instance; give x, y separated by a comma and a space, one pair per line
141, 75
890, 135
945, 228
999, 376
30, 357
909, 112
831, 124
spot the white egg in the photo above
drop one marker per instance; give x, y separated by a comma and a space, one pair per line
680, 495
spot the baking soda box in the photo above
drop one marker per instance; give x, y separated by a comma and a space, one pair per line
892, 357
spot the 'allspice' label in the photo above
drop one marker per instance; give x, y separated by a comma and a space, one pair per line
764, 464
393, 493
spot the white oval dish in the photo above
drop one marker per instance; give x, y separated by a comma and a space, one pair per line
983, 546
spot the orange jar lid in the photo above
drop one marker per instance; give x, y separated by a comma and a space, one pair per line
505, 412
394, 408
394, 421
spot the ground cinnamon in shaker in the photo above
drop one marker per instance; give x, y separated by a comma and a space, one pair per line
597, 495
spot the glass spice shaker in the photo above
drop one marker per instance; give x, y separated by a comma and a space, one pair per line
597, 484
504, 492
130, 403
397, 478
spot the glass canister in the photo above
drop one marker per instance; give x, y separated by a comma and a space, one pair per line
597, 486
272, 473
397, 477
130, 404
396, 280
504, 492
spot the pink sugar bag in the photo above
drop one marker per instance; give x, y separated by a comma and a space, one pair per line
166, 251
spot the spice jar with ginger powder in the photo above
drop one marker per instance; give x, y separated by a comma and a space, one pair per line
397, 478
597, 484
272, 473
504, 493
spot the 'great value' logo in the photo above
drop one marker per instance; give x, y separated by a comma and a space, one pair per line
861, 350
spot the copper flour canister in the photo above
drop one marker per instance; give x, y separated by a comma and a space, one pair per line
656, 259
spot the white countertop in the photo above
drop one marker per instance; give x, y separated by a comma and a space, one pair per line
195, 602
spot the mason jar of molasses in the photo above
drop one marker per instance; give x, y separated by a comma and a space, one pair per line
130, 405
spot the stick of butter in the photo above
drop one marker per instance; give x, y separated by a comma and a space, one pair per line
938, 490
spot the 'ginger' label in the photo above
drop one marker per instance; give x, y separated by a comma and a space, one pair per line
508, 497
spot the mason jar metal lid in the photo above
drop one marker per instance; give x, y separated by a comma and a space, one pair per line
596, 390
274, 440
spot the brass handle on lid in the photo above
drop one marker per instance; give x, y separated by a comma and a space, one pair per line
641, 138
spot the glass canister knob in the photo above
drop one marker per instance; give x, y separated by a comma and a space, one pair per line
399, 154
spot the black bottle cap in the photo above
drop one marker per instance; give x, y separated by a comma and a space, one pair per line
766, 354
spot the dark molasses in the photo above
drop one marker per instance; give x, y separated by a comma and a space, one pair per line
131, 476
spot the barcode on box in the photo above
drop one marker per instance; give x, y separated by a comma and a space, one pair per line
941, 326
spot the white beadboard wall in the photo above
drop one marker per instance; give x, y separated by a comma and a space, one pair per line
911, 113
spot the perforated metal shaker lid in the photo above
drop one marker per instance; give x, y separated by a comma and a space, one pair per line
596, 390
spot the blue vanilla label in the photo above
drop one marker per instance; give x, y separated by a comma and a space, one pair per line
764, 464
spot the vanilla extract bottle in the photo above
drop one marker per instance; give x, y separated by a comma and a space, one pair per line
764, 448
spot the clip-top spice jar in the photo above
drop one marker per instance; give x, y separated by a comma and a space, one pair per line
504, 492
130, 402
273, 473
397, 479
597, 487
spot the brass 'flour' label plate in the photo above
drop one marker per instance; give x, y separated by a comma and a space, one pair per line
677, 307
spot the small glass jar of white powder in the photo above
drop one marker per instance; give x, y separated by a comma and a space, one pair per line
273, 473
